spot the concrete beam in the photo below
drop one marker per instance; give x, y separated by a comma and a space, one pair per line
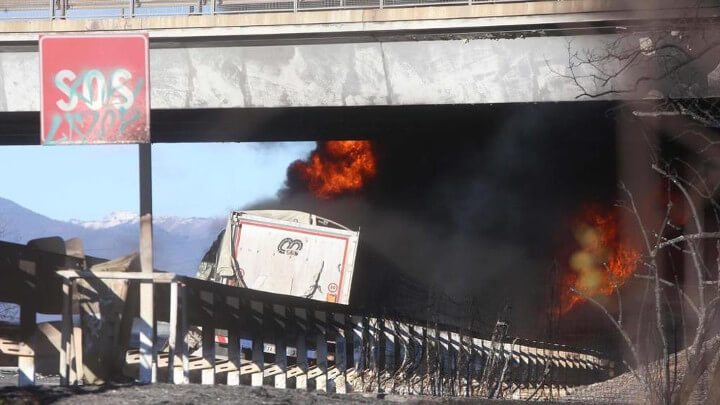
470, 71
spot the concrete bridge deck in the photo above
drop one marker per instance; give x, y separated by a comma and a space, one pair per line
342, 17
218, 66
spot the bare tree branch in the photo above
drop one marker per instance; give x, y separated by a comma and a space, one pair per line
619, 328
689, 237
674, 285
617, 292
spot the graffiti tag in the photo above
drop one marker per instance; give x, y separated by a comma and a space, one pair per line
94, 89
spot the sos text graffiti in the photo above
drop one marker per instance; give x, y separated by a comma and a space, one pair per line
96, 106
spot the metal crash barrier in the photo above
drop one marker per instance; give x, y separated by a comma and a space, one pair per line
288, 342
85, 9
212, 333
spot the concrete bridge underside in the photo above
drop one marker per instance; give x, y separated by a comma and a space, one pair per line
454, 71
229, 66
416, 123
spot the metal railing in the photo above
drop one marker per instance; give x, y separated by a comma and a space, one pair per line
308, 345
94, 9
302, 344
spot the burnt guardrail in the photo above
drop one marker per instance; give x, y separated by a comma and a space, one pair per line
288, 342
220, 334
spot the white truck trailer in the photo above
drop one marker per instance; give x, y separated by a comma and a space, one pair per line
284, 252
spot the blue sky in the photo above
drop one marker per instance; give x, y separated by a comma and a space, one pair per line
198, 179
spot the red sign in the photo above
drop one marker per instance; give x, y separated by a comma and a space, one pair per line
94, 89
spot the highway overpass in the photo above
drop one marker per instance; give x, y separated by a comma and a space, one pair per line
250, 54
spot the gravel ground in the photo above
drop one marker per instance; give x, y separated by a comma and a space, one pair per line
48, 391
199, 394
623, 389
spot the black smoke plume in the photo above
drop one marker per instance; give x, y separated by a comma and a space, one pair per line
476, 214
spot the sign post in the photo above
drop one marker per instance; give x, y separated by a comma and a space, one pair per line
148, 361
95, 90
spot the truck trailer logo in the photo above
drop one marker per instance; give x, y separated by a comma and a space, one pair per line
290, 247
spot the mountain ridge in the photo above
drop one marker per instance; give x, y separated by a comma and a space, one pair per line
180, 242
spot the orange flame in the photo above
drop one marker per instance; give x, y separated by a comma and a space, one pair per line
337, 167
600, 245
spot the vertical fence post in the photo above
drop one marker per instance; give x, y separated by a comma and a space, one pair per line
172, 339
411, 356
295, 6
358, 359
372, 349
444, 352
132, 8
389, 334
467, 370
52, 10
60, 9
213, 7
279, 318
405, 350
321, 350
258, 347
438, 363
430, 359
472, 363
382, 4
423, 369
380, 344
547, 385
148, 364
455, 348
340, 353
26, 359
65, 335
154, 353
233, 377
207, 299
300, 318
536, 371
523, 366
463, 356
77, 332
184, 333
368, 360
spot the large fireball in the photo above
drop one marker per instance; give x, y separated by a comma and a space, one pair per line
337, 167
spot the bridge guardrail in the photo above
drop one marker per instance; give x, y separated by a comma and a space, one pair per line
328, 346
323, 346
94, 9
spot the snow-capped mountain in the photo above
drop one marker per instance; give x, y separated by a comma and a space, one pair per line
179, 242
169, 224
114, 219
